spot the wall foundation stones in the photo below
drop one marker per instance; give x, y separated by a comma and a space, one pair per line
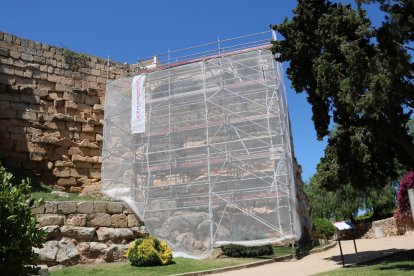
83, 232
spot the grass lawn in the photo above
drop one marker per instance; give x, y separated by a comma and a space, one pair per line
47, 196
400, 264
181, 265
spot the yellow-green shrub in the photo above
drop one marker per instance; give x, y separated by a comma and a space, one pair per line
149, 251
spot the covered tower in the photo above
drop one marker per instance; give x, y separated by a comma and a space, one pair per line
200, 147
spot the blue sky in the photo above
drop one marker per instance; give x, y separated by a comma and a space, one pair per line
126, 30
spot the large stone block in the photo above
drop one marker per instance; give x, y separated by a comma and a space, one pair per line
58, 252
50, 207
77, 97
76, 220
101, 219
92, 100
133, 220
47, 254
38, 210
66, 181
67, 253
66, 207
85, 207
96, 250
116, 235
52, 232
78, 233
48, 219
139, 232
119, 221
99, 206
114, 207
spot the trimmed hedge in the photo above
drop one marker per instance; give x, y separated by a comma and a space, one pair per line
234, 250
149, 251
323, 229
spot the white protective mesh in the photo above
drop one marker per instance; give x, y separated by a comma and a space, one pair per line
215, 163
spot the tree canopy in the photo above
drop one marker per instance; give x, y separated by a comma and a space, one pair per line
346, 201
358, 78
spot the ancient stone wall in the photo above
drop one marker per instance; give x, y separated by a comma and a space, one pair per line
388, 227
51, 112
86, 232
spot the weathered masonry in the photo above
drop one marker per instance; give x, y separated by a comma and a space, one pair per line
51, 111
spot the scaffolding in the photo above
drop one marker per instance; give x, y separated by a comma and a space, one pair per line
214, 165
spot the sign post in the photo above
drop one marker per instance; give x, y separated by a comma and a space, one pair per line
341, 226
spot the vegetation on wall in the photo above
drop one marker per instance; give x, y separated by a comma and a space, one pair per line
73, 59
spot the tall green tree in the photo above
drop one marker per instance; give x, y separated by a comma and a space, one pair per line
346, 201
358, 77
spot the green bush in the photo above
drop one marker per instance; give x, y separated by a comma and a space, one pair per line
323, 229
149, 251
234, 250
18, 232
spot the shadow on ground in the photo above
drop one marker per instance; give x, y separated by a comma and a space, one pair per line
400, 260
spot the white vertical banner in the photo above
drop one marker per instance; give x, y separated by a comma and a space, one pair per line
138, 104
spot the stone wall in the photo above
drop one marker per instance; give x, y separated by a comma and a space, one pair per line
51, 112
388, 227
86, 232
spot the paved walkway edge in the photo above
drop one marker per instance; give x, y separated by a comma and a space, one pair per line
264, 262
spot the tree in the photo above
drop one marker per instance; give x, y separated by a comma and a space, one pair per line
337, 205
359, 78
345, 202
18, 232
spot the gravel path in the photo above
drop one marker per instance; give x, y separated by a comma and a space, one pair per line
331, 259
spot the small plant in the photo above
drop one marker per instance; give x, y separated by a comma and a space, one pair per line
322, 229
149, 251
404, 209
74, 59
234, 250
18, 232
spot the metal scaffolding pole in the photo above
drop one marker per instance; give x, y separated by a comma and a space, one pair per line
214, 165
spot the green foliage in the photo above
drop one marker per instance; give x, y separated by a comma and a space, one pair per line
234, 250
18, 232
73, 59
359, 78
338, 205
323, 229
364, 217
345, 202
149, 251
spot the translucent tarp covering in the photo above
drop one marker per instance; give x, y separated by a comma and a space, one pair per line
214, 165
